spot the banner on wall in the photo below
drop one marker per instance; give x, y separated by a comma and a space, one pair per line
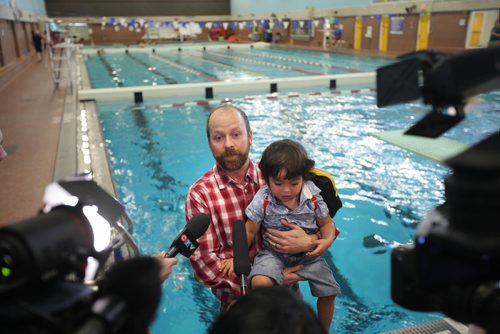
397, 25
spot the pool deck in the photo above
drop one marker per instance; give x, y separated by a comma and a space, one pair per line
30, 118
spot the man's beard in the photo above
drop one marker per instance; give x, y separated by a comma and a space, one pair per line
234, 163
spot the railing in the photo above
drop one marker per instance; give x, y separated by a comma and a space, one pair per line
62, 63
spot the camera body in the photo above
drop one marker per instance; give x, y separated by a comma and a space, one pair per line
453, 265
50, 264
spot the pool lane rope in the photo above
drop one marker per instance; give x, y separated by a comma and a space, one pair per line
256, 98
263, 63
167, 79
229, 66
185, 68
300, 61
111, 71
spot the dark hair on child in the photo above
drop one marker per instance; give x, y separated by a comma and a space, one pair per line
268, 310
285, 155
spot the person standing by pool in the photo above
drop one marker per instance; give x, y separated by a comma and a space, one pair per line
288, 194
337, 34
223, 193
37, 43
495, 34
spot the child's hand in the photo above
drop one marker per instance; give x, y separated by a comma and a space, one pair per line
227, 267
320, 246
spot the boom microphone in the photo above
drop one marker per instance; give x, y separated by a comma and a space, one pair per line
241, 258
185, 243
127, 298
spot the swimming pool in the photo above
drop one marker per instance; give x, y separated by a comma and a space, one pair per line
157, 150
167, 66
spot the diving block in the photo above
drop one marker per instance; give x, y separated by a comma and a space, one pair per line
437, 149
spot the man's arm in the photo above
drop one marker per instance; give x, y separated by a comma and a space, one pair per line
205, 260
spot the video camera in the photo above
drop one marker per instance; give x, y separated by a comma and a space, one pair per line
50, 264
453, 266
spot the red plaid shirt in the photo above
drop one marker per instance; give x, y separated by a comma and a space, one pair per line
225, 201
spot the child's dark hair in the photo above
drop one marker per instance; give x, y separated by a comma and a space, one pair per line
285, 155
268, 310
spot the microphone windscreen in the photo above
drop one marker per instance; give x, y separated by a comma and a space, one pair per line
137, 281
240, 249
198, 225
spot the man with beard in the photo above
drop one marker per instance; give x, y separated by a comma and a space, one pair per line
223, 193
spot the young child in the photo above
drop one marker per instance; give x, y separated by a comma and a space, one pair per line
288, 195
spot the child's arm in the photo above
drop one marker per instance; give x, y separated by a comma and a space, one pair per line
327, 229
252, 228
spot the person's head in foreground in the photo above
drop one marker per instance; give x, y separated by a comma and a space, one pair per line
268, 310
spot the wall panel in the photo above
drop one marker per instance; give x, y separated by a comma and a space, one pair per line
448, 31
371, 42
348, 30
22, 41
407, 41
9, 52
137, 8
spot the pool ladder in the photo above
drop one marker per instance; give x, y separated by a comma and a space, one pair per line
62, 59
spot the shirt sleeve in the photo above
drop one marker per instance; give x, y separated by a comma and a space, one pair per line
205, 260
255, 210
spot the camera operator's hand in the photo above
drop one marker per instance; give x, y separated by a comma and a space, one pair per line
166, 264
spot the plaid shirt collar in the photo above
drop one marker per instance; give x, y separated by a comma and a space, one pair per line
223, 179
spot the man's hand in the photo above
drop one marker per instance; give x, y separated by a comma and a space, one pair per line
294, 241
227, 267
166, 265
290, 277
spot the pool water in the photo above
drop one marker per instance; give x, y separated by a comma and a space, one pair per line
170, 66
157, 152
